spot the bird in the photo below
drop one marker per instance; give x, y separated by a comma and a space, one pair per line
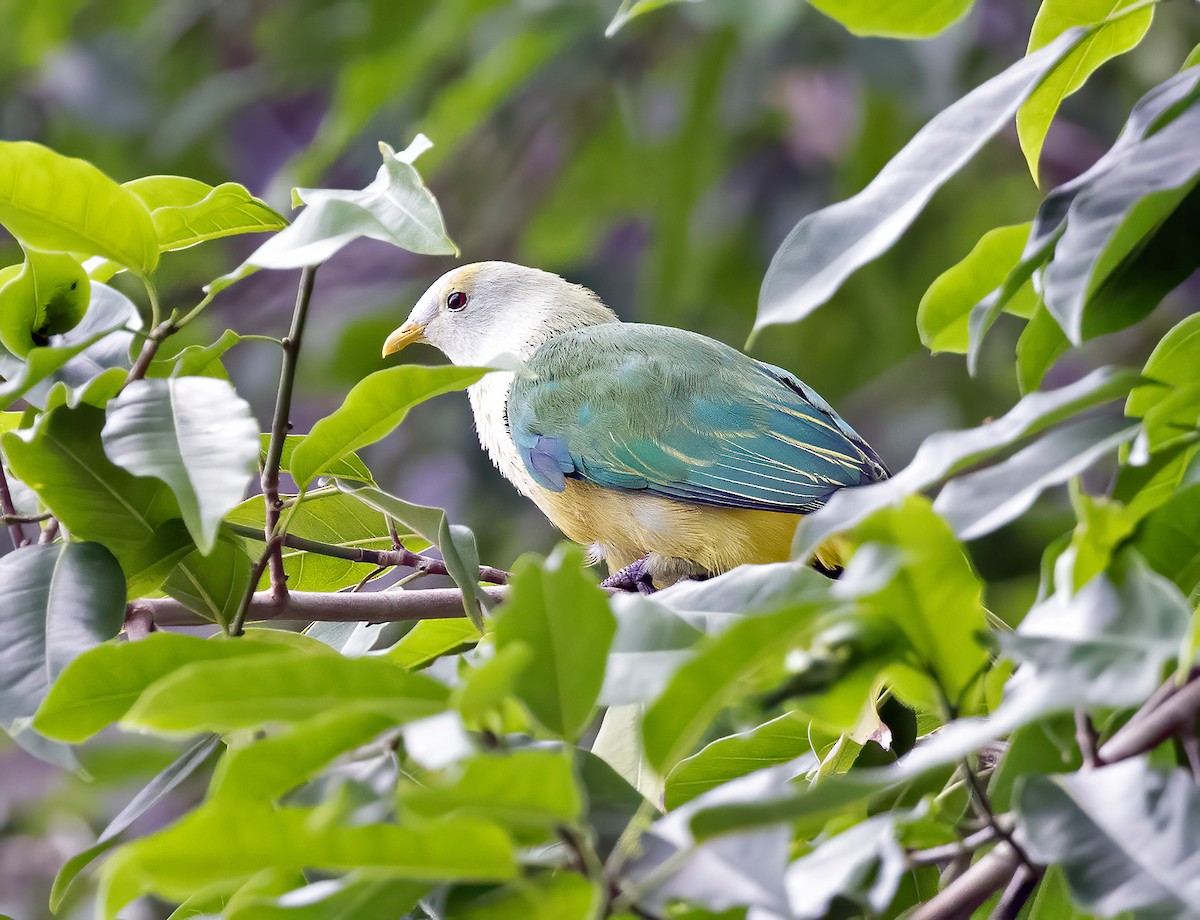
669, 454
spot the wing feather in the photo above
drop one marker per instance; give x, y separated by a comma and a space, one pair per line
668, 412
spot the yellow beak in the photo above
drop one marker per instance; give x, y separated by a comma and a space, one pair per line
407, 334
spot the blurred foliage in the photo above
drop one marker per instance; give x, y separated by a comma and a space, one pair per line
661, 166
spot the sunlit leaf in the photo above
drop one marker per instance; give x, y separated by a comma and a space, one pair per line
1107, 41
826, 247
61, 204
48, 295
221, 695
372, 409
348, 466
186, 211
1041, 344
356, 896
213, 585
61, 600
193, 433
1172, 365
334, 519
430, 639
526, 792
99, 686
899, 19
944, 310
396, 208
562, 895
222, 842
556, 610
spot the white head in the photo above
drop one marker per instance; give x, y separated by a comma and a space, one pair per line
477, 312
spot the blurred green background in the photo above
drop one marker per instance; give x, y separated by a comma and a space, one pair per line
660, 167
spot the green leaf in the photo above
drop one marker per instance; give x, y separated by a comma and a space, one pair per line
334, 518
781, 740
1125, 836
711, 680
1041, 344
630, 9
863, 864
48, 295
39, 364
61, 599
195, 360
372, 410
62, 460
826, 247
456, 543
396, 208
193, 433
98, 687
219, 843
979, 503
944, 310
557, 611
222, 695
946, 451
61, 204
1162, 102
428, 640
1173, 363
1169, 539
485, 688
1107, 41
560, 895
356, 896
896, 19
186, 211
266, 769
935, 597
162, 785
1110, 218
213, 585
349, 466
526, 792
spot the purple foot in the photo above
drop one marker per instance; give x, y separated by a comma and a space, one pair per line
634, 577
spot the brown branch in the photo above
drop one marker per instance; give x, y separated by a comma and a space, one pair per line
934, 856
969, 891
1148, 729
279, 429
1087, 738
1024, 883
370, 607
149, 349
385, 558
11, 518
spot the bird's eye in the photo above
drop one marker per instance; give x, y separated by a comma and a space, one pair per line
456, 301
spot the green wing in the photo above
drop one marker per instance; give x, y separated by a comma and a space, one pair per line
672, 413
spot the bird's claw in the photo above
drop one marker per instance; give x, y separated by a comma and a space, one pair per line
634, 577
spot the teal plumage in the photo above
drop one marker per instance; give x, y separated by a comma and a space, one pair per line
667, 412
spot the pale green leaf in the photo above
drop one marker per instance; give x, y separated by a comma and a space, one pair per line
46, 296
897, 18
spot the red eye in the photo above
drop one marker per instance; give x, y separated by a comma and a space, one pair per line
456, 301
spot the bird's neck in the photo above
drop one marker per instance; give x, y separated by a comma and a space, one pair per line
523, 343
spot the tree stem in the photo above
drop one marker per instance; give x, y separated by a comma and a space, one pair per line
279, 430
11, 518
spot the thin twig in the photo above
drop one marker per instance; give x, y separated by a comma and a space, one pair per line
239, 618
279, 430
374, 573
50, 533
1191, 750
150, 347
389, 558
1087, 738
1023, 884
969, 891
11, 518
342, 607
934, 856
984, 807
25, 518
1148, 729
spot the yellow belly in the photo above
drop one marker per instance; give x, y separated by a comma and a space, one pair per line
626, 526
